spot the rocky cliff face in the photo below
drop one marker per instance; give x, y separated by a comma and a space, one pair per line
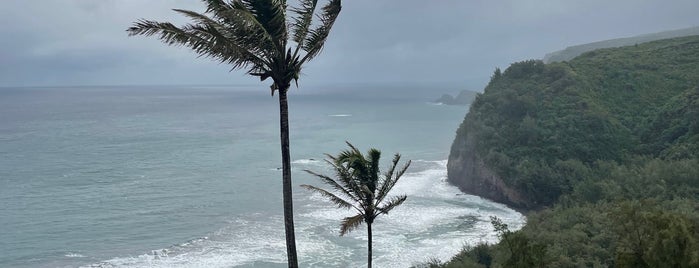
469, 172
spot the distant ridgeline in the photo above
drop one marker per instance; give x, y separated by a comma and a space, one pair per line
574, 51
600, 147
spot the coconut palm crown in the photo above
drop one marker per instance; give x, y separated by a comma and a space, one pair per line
252, 34
359, 185
259, 37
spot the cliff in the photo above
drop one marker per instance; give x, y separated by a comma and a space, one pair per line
539, 129
468, 171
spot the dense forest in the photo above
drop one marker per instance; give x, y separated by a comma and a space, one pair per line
603, 152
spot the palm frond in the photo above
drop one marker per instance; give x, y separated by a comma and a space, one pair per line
347, 180
355, 184
242, 26
211, 33
216, 6
341, 203
387, 176
302, 21
374, 171
200, 18
204, 40
351, 223
315, 39
270, 15
329, 181
355, 162
392, 168
347, 157
235, 32
389, 181
353, 148
403, 170
392, 203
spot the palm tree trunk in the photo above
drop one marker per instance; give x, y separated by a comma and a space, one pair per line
286, 180
369, 235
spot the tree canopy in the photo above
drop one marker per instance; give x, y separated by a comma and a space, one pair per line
606, 147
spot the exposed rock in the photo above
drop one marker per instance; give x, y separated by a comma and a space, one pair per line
464, 98
445, 99
469, 172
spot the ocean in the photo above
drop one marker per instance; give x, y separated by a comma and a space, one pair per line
188, 176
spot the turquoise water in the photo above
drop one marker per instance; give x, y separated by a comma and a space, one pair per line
188, 177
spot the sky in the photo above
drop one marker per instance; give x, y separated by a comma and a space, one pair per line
450, 42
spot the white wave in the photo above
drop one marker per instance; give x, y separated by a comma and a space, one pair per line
442, 163
436, 221
310, 161
240, 243
339, 115
74, 255
302, 162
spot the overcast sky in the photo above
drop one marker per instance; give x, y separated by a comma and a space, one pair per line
459, 42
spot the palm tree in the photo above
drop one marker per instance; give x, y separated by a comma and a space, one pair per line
361, 186
257, 36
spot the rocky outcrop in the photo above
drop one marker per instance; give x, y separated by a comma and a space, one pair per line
468, 171
464, 98
446, 99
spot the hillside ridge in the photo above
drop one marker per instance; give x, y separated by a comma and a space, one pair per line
605, 105
573, 51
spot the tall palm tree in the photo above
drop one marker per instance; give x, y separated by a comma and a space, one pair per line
359, 185
257, 36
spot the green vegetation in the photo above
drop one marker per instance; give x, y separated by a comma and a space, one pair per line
258, 36
605, 148
571, 52
361, 187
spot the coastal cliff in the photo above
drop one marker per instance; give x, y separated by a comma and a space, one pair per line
539, 130
468, 171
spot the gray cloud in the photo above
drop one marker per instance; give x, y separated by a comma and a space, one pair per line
67, 42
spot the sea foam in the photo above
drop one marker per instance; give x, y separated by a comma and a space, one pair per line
436, 221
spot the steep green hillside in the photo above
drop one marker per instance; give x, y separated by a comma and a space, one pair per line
537, 123
603, 151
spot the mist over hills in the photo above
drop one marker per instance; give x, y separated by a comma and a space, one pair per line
574, 51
